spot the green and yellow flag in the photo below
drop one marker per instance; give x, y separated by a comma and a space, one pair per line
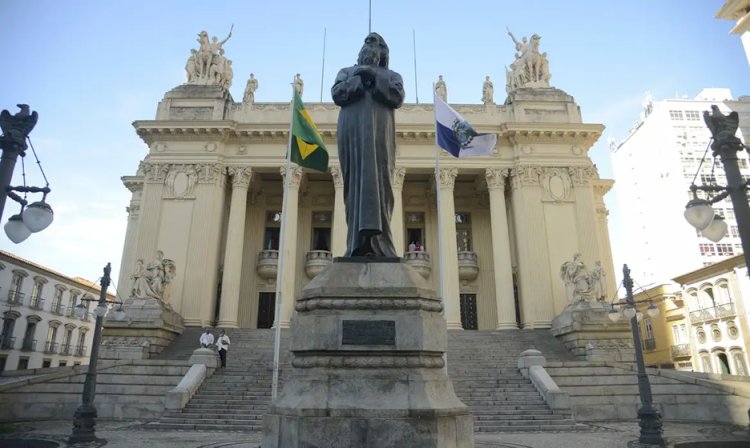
308, 149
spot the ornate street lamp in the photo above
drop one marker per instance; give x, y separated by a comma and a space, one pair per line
699, 212
84, 420
649, 418
33, 217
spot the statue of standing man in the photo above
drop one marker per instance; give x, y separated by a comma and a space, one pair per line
368, 94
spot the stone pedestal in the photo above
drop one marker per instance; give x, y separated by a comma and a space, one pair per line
368, 341
588, 333
149, 326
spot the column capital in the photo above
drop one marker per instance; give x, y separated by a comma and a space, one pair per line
525, 175
338, 178
132, 183
241, 176
496, 177
296, 175
582, 175
211, 173
448, 177
397, 180
133, 210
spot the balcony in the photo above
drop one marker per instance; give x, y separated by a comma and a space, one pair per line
50, 347
15, 297
7, 343
316, 261
723, 311
268, 265
419, 261
681, 351
58, 309
649, 344
29, 345
36, 303
79, 350
66, 349
468, 266
70, 311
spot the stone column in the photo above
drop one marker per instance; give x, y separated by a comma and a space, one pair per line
503, 271
397, 218
289, 242
534, 282
449, 279
338, 239
230, 284
127, 262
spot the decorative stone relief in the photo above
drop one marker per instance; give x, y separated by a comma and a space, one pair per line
211, 147
242, 149
397, 180
732, 330
338, 180
496, 177
295, 176
556, 184
155, 172
580, 284
211, 173
207, 65
582, 175
133, 211
531, 68
241, 176
525, 175
152, 280
715, 332
180, 182
701, 334
576, 150
448, 177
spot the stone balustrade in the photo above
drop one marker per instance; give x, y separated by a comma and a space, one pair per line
420, 261
268, 265
316, 261
468, 266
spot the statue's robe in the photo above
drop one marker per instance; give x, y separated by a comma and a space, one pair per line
366, 138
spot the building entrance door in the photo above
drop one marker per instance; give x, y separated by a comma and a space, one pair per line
469, 311
266, 309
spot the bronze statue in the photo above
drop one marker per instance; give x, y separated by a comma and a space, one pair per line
368, 94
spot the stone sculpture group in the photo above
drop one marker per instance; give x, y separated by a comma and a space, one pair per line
580, 284
530, 69
151, 281
207, 65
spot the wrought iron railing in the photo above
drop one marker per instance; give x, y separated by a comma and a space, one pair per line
79, 350
7, 343
66, 349
29, 345
50, 347
58, 309
722, 311
36, 303
681, 350
649, 344
15, 297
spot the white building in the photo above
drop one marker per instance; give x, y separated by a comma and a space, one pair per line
39, 328
654, 167
739, 11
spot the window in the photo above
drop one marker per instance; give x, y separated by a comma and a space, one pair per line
63, 363
15, 296
739, 362
23, 363
708, 178
321, 232
707, 249
675, 115
9, 323
734, 231
692, 115
271, 235
724, 296
72, 302
414, 231
3, 360
463, 232
729, 213
57, 307
46, 363
742, 162
724, 249
51, 346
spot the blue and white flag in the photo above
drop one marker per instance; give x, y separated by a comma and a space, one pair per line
455, 135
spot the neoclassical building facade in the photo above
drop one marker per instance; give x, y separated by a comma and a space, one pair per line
209, 195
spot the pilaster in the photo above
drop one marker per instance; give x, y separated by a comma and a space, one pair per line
135, 185
397, 219
503, 271
449, 280
289, 245
586, 223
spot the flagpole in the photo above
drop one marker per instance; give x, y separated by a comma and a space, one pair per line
282, 255
323, 68
416, 85
439, 223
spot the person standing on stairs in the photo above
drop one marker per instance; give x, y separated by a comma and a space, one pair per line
207, 339
223, 345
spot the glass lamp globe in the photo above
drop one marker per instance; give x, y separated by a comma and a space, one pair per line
699, 213
38, 216
614, 315
629, 312
638, 316
80, 311
16, 229
716, 230
100, 310
119, 313
652, 310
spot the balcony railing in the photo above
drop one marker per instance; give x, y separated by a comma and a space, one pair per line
70, 311
468, 265
681, 351
649, 344
7, 343
316, 261
58, 309
79, 350
29, 345
50, 347
15, 297
36, 303
420, 261
268, 265
66, 349
723, 311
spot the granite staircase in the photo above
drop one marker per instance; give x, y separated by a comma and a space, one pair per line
482, 366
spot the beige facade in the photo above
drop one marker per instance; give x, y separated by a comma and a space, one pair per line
210, 190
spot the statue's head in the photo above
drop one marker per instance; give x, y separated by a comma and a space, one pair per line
374, 51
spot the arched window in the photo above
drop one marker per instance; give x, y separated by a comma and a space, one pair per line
724, 296
723, 363
15, 296
705, 362
708, 299
693, 302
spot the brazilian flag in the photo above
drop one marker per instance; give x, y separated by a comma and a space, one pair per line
308, 149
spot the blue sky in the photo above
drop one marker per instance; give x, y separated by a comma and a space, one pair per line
90, 68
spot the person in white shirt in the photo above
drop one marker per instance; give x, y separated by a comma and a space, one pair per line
222, 343
207, 339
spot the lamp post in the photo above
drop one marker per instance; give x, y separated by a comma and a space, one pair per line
38, 215
649, 418
84, 420
698, 212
